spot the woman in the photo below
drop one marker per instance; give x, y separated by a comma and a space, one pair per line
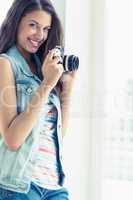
34, 102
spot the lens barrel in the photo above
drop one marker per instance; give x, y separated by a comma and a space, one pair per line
70, 62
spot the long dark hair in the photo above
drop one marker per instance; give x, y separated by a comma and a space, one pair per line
19, 9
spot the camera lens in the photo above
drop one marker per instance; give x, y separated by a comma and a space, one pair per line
70, 62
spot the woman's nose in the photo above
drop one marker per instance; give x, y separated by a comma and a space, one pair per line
40, 34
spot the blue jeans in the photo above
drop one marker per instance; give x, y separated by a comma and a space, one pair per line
35, 193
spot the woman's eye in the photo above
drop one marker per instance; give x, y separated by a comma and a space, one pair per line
33, 25
46, 30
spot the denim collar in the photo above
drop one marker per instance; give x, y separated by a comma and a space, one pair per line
23, 64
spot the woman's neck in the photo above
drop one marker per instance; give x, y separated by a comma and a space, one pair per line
25, 54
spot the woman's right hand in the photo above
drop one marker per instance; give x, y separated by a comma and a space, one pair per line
51, 70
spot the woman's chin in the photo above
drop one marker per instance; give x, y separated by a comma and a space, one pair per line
33, 49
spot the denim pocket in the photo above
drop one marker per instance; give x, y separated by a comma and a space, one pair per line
25, 90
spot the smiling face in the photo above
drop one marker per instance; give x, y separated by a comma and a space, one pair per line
33, 31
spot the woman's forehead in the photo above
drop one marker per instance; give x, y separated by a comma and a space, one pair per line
43, 18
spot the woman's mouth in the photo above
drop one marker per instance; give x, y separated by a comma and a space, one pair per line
34, 43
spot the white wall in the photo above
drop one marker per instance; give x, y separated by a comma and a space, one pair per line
118, 182
97, 94
4, 6
77, 142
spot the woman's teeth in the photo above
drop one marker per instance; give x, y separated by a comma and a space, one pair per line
34, 43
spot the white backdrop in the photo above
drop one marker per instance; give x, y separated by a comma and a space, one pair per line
77, 143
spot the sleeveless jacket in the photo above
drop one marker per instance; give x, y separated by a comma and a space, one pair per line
15, 170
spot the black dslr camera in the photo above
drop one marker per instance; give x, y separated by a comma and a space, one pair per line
69, 62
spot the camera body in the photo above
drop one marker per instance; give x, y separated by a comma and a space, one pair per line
69, 62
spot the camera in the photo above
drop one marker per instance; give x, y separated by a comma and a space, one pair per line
69, 62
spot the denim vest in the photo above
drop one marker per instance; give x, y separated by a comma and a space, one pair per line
15, 170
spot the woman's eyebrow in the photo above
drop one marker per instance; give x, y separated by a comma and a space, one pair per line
48, 26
